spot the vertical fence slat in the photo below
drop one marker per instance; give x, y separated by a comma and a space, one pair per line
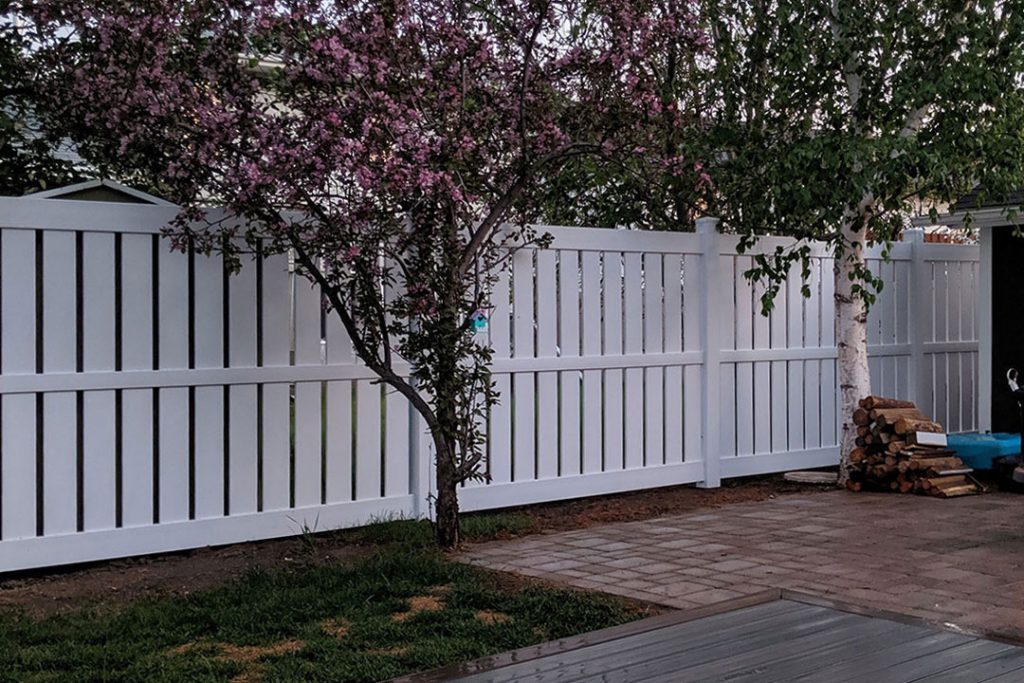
308, 407
812, 368
593, 418
209, 401
633, 342
99, 473
524, 383
499, 447
368, 440
611, 302
137, 353
672, 416
276, 416
795, 369
242, 402
762, 389
692, 417
829, 396
547, 382
570, 415
396, 444
338, 415
654, 377
745, 317
17, 412
174, 427
339, 441
60, 420
778, 403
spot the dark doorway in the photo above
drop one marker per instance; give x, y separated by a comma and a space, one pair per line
1007, 324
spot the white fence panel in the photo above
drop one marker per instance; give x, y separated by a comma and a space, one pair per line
158, 403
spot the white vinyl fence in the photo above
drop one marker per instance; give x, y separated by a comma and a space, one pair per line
149, 402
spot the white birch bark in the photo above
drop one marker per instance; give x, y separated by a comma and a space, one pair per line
851, 342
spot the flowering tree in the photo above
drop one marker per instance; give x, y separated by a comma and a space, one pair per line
386, 143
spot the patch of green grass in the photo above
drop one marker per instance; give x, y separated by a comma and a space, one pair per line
335, 623
418, 533
486, 526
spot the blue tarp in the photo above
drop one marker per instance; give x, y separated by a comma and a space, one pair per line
979, 450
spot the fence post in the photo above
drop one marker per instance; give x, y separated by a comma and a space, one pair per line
920, 309
713, 297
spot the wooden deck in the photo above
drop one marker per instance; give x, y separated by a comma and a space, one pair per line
781, 640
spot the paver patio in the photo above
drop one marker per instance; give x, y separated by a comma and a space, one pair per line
959, 562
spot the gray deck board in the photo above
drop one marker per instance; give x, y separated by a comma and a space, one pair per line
775, 642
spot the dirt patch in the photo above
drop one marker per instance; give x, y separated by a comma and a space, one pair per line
239, 654
490, 617
418, 604
649, 504
246, 654
337, 628
249, 656
112, 584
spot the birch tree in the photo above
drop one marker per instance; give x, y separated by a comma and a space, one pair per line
834, 120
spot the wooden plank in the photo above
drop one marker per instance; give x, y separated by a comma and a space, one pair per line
698, 632
757, 654
570, 446
591, 332
634, 377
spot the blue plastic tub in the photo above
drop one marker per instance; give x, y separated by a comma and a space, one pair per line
979, 450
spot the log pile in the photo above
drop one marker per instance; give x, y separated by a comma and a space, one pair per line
900, 449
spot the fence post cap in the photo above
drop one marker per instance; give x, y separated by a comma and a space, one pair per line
913, 234
707, 224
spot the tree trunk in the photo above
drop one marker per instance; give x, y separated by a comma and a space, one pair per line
852, 344
446, 524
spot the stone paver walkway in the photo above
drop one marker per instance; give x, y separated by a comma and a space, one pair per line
958, 561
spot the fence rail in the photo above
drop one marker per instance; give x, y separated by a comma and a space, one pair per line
150, 402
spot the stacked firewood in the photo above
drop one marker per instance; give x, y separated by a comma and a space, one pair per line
901, 449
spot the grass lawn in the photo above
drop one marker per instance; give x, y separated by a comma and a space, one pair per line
402, 608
